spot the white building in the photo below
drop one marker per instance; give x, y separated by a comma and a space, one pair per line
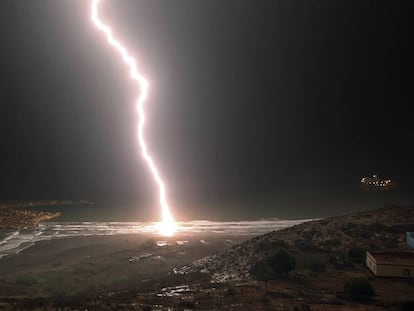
391, 264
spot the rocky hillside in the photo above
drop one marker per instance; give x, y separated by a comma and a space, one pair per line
382, 229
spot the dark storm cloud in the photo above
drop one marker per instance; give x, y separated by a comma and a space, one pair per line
252, 103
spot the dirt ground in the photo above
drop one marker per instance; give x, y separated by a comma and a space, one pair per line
88, 265
135, 272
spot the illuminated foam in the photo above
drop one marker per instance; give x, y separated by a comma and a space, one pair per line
167, 226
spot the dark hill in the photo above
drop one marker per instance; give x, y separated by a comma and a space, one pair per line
381, 229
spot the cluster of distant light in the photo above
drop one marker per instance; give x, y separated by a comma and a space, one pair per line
375, 181
167, 226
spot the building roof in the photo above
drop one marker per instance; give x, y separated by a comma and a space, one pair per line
392, 256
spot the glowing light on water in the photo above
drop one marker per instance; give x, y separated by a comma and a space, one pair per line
167, 226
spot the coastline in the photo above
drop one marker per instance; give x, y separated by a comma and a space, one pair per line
17, 240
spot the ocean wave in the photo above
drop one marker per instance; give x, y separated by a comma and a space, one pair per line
20, 240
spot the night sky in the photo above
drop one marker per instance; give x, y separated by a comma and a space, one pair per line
256, 108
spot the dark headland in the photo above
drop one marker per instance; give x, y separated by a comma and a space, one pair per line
20, 215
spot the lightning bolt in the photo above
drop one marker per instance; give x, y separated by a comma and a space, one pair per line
167, 226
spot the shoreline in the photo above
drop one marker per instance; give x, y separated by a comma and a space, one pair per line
18, 240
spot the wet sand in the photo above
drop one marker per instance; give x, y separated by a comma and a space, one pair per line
68, 251
79, 265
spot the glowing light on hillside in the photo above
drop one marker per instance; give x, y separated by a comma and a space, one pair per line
167, 226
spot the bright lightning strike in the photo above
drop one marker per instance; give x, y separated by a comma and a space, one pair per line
167, 226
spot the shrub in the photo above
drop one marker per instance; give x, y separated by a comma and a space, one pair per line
316, 266
305, 245
231, 291
27, 280
332, 242
340, 262
262, 271
357, 254
276, 266
265, 246
280, 244
282, 262
311, 263
406, 305
359, 289
186, 305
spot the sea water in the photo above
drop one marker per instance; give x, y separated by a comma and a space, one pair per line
18, 240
